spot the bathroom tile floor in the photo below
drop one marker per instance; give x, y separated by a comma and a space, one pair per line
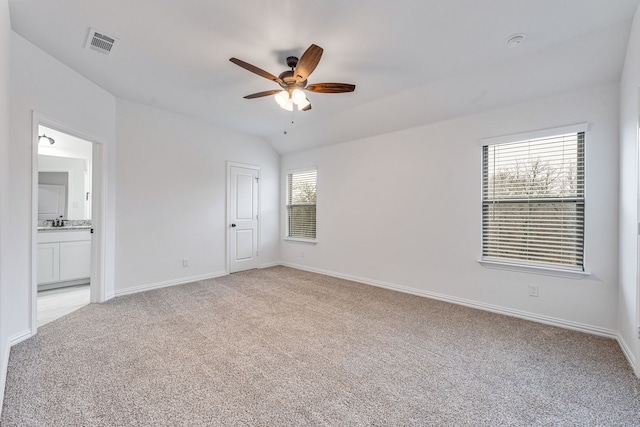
55, 303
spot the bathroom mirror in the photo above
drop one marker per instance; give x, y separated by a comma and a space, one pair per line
64, 176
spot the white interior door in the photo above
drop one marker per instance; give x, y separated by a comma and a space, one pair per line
243, 218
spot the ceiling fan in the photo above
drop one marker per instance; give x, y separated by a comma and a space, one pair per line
293, 82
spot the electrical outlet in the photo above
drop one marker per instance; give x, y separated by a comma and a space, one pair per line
185, 262
533, 290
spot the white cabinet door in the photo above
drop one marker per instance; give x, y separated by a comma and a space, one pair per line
48, 262
75, 260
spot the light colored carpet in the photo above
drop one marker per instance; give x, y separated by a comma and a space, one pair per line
285, 347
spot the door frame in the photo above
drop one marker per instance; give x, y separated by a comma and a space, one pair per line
637, 325
227, 225
98, 213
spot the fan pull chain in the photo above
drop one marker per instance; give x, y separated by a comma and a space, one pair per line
285, 126
285, 123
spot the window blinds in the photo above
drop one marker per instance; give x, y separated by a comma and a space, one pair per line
533, 201
301, 204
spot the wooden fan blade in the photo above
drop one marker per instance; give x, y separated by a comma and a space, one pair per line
255, 70
261, 94
308, 62
331, 87
307, 108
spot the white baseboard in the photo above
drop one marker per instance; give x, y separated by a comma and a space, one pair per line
3, 373
553, 321
270, 264
181, 281
631, 358
19, 337
158, 285
13, 340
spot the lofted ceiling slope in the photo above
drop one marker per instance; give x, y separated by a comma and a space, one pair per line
413, 61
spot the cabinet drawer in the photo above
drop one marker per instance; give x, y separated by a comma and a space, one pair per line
63, 236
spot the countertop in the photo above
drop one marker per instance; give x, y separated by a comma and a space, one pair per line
69, 225
65, 228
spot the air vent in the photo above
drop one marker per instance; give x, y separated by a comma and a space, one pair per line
100, 42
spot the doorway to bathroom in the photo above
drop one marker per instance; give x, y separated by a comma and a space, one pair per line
64, 223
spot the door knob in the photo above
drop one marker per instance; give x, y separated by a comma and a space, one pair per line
233, 225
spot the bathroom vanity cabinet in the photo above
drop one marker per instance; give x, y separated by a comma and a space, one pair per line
64, 258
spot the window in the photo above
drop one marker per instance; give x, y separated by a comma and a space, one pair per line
533, 201
301, 205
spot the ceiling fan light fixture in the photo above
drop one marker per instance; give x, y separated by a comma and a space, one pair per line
288, 106
303, 104
283, 100
281, 97
294, 81
298, 96
300, 99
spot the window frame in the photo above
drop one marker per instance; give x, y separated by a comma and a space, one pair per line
287, 237
523, 265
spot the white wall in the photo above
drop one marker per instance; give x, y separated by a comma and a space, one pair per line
404, 210
171, 185
43, 85
5, 217
628, 298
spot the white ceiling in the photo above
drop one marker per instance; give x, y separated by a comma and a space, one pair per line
413, 61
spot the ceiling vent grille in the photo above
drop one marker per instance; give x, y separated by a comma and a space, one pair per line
100, 42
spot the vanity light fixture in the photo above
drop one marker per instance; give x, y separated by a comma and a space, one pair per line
44, 137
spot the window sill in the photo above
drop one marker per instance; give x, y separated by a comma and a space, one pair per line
298, 240
535, 269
